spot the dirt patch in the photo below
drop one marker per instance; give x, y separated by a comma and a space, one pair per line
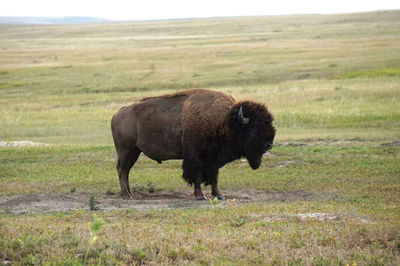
316, 216
31, 203
285, 164
335, 142
21, 143
392, 144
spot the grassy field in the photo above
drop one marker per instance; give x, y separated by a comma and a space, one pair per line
331, 81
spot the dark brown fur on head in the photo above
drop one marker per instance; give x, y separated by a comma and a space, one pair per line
255, 111
254, 138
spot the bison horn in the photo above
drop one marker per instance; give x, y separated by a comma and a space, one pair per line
243, 120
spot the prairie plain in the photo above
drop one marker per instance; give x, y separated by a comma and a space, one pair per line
328, 193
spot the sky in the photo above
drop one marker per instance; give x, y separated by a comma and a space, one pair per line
170, 9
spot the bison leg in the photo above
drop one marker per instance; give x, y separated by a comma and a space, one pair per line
215, 191
125, 162
198, 193
212, 174
192, 173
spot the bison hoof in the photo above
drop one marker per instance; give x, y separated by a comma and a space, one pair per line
126, 196
201, 198
220, 197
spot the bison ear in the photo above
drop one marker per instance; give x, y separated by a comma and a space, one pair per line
242, 120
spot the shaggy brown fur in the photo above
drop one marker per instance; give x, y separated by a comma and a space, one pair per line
201, 127
203, 114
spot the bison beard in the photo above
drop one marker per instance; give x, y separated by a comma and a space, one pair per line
206, 129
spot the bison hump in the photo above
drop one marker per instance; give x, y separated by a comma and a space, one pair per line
203, 114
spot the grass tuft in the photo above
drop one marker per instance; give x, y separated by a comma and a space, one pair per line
93, 202
149, 187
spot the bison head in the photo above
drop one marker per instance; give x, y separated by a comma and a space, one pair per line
252, 131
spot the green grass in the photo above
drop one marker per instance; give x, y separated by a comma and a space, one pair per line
359, 169
324, 78
372, 73
357, 109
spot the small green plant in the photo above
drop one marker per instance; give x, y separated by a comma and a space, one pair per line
93, 202
94, 228
110, 192
17, 244
73, 190
238, 222
214, 204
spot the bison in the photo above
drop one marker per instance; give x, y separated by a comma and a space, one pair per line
207, 129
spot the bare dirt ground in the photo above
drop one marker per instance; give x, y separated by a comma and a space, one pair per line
33, 203
335, 142
392, 144
21, 143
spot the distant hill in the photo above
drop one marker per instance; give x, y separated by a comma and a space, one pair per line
50, 20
